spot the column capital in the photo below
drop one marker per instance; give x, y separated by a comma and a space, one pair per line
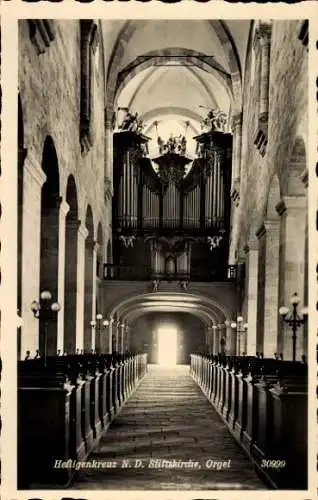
34, 169
64, 208
271, 225
291, 203
82, 230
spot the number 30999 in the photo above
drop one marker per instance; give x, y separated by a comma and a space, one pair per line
274, 464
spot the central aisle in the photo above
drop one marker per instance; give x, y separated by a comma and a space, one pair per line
168, 418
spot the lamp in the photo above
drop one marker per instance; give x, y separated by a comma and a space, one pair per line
240, 327
293, 318
99, 324
45, 310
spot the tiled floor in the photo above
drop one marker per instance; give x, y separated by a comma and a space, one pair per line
168, 418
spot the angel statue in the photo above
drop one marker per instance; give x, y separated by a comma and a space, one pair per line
215, 120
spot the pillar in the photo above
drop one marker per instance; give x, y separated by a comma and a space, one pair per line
209, 338
237, 150
109, 337
121, 337
94, 295
271, 294
264, 38
293, 213
252, 295
64, 209
81, 237
108, 173
229, 348
33, 180
127, 338
215, 339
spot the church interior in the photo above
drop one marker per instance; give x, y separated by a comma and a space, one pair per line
162, 271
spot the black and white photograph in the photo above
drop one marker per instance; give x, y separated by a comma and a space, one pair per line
162, 254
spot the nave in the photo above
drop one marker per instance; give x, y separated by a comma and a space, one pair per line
163, 171
169, 419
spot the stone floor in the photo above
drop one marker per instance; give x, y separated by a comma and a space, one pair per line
168, 436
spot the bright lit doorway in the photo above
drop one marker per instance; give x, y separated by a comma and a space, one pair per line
167, 346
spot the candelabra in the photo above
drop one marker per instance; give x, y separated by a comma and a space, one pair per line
99, 325
293, 318
239, 327
45, 310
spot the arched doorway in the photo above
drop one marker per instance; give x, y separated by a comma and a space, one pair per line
89, 276
50, 203
70, 291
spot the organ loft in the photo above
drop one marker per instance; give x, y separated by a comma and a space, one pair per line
168, 220
159, 267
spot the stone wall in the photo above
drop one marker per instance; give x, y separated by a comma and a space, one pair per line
285, 159
50, 92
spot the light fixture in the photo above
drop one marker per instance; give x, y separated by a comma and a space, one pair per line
293, 318
240, 327
45, 310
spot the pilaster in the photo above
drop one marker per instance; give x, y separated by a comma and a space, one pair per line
64, 209
252, 295
82, 234
271, 296
33, 180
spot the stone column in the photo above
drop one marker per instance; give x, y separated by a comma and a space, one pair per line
108, 173
264, 33
271, 295
252, 295
237, 151
121, 337
209, 339
81, 237
94, 295
293, 213
228, 337
33, 180
215, 335
109, 336
64, 209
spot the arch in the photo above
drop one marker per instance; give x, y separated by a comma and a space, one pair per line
125, 35
151, 76
49, 246
89, 275
189, 302
297, 165
175, 54
171, 110
70, 285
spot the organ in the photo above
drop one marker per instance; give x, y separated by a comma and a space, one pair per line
174, 215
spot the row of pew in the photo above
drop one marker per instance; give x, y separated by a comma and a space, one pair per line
65, 404
264, 403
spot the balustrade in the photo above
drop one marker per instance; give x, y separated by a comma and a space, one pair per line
264, 404
66, 406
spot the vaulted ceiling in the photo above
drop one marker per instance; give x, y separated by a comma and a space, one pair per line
173, 71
